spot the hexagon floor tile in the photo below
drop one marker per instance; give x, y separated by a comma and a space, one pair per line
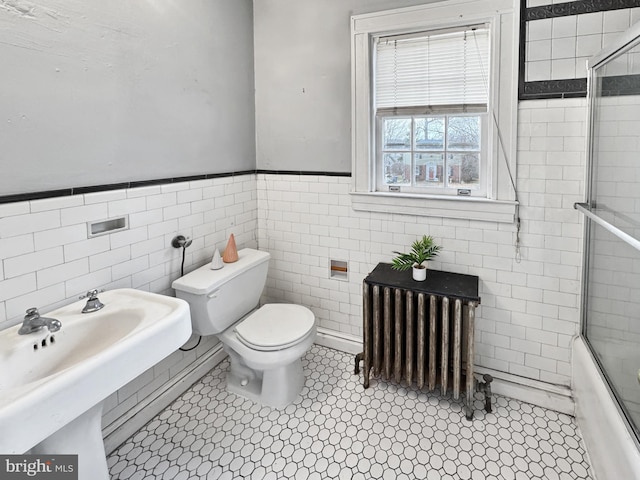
336, 429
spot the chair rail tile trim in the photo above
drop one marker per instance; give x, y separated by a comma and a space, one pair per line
67, 192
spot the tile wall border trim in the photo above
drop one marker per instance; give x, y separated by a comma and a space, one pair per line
566, 88
577, 8
67, 192
619, 85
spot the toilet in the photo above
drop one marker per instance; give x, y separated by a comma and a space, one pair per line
266, 344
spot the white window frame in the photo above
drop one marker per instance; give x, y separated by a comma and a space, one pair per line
499, 204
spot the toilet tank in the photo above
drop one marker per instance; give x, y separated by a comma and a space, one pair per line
218, 298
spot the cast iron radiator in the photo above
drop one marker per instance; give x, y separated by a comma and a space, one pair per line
421, 333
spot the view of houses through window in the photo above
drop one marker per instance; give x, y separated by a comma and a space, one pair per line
441, 151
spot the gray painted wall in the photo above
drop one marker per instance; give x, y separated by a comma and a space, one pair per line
303, 81
105, 92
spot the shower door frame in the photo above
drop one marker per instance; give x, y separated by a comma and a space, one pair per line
627, 40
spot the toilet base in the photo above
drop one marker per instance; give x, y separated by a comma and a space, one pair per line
274, 388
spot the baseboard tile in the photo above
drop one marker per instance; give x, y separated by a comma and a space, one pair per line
116, 433
338, 341
545, 395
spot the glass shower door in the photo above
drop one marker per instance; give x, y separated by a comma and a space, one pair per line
611, 286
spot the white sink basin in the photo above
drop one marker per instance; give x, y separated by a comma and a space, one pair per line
47, 380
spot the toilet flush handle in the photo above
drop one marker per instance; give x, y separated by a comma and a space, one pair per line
214, 293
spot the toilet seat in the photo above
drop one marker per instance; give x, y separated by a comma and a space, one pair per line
275, 326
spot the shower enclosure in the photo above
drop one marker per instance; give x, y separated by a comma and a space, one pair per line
611, 274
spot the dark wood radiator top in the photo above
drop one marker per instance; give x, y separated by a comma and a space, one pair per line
446, 284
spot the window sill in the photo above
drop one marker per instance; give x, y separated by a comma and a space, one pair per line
468, 208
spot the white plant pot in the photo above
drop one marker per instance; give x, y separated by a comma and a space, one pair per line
420, 274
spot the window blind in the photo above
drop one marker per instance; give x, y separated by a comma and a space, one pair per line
434, 69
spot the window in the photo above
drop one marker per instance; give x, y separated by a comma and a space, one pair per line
430, 102
434, 109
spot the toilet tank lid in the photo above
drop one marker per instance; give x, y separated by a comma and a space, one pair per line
204, 280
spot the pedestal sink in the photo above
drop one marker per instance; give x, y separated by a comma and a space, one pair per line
52, 385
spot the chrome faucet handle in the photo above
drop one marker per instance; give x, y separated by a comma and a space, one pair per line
93, 303
32, 312
91, 294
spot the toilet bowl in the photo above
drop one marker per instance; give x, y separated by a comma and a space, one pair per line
266, 344
268, 368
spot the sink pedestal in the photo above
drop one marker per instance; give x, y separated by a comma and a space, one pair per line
82, 437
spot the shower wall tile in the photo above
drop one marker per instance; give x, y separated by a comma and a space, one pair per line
567, 42
539, 50
586, 45
539, 30
563, 48
540, 70
563, 68
563, 27
590, 24
615, 21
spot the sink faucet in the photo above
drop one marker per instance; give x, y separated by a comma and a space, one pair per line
34, 322
93, 303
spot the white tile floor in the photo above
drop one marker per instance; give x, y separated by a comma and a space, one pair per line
336, 429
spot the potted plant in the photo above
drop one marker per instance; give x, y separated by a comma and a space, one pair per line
422, 251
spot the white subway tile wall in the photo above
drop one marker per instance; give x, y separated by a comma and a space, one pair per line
46, 259
558, 48
529, 309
